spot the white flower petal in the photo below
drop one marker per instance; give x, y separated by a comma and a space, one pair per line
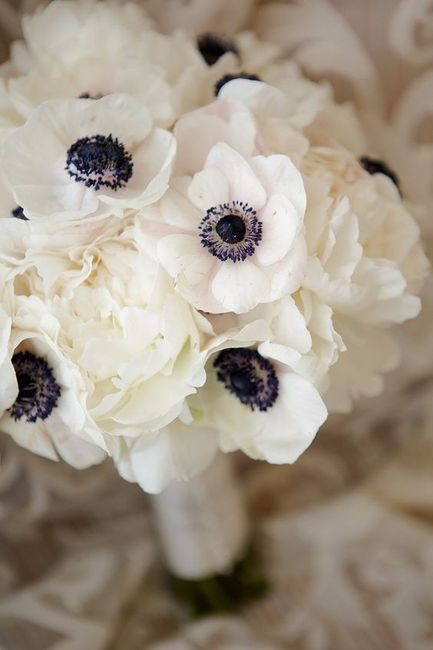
240, 286
292, 422
281, 224
280, 176
244, 184
178, 452
208, 188
183, 255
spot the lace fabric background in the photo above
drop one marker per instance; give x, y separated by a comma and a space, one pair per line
346, 534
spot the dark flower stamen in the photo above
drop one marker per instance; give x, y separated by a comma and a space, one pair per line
231, 231
249, 376
230, 77
38, 391
231, 228
18, 213
212, 47
99, 161
373, 166
90, 96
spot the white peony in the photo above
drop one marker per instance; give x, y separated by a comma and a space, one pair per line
127, 306
360, 241
64, 32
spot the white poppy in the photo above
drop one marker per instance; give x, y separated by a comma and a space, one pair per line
99, 157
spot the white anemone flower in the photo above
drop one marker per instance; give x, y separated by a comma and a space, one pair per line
260, 405
99, 157
93, 78
41, 399
231, 236
221, 121
280, 99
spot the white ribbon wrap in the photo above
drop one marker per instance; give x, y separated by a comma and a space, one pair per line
202, 523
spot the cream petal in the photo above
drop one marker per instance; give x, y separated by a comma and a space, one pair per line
8, 385
208, 188
176, 209
279, 175
240, 286
292, 423
74, 450
243, 183
183, 255
152, 160
31, 436
167, 456
281, 224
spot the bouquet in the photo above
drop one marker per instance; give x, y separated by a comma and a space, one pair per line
198, 249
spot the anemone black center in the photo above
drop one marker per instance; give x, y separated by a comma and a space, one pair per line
230, 77
38, 391
243, 383
248, 376
18, 213
27, 389
90, 96
212, 47
99, 161
231, 228
231, 231
373, 166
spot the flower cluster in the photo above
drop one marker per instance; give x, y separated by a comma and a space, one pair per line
197, 249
